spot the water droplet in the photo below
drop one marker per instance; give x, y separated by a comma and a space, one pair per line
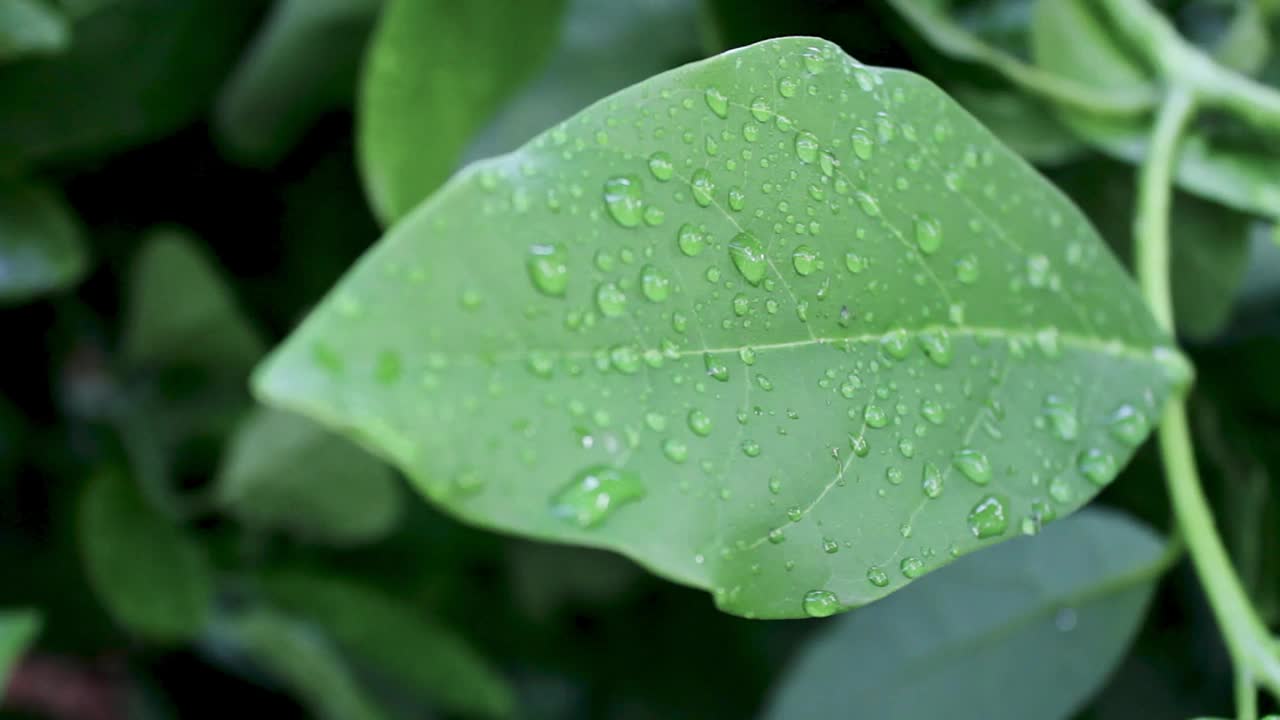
661, 166
748, 256
548, 269
717, 101
937, 346
896, 343
715, 367
675, 450
1098, 466
747, 355
610, 299
737, 199
877, 576
702, 187
863, 145
625, 359
830, 546
596, 493
623, 197
855, 262
787, 87
867, 203
933, 411
751, 448
932, 481
760, 109
699, 423
874, 416
912, 567
1062, 416
654, 284
777, 537
973, 464
928, 234
860, 446
807, 147
988, 518
1037, 271
1129, 425
967, 269
690, 240
1060, 490
821, 603
805, 260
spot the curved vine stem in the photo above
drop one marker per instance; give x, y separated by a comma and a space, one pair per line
1255, 658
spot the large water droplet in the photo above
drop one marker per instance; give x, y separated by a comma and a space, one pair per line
715, 367
973, 464
1062, 416
928, 234
717, 101
807, 147
661, 166
748, 256
805, 260
699, 423
655, 285
932, 480
690, 240
863, 145
877, 576
875, 416
702, 186
623, 197
988, 518
594, 494
937, 345
548, 269
610, 299
1097, 465
821, 603
912, 567
1129, 425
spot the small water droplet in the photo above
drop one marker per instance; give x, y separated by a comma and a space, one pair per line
1129, 425
610, 299
806, 147
690, 240
655, 285
748, 256
594, 494
623, 197
548, 269
661, 166
805, 260
973, 464
699, 423
928, 234
675, 450
988, 518
1098, 466
877, 576
875, 416
932, 480
863, 145
702, 186
717, 101
933, 411
912, 567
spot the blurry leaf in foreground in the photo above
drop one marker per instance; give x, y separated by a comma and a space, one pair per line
302, 63
1029, 629
31, 27
436, 72
612, 338
152, 578
285, 472
1070, 39
395, 642
134, 71
603, 47
181, 311
303, 660
41, 248
18, 629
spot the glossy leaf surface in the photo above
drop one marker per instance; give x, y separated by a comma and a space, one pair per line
775, 324
1029, 629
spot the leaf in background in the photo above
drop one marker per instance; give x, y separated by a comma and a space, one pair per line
41, 248
18, 629
302, 64
136, 70
775, 324
284, 472
1023, 123
151, 577
31, 27
395, 642
435, 73
304, 661
1030, 629
1210, 242
181, 312
602, 48
1071, 40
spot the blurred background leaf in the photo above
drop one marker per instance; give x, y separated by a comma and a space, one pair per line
31, 27
18, 628
41, 244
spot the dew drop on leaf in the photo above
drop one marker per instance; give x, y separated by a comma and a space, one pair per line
1129, 425
594, 494
747, 254
973, 464
988, 518
548, 269
1097, 465
821, 603
624, 200
699, 423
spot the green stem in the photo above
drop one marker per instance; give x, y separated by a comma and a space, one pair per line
1246, 698
1158, 40
1246, 637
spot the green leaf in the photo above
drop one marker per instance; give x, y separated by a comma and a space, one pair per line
18, 629
421, 102
395, 641
301, 65
41, 248
304, 661
602, 48
31, 27
1071, 40
1030, 629
282, 471
181, 312
772, 324
137, 70
151, 577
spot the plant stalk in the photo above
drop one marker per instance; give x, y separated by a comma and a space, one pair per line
1248, 641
